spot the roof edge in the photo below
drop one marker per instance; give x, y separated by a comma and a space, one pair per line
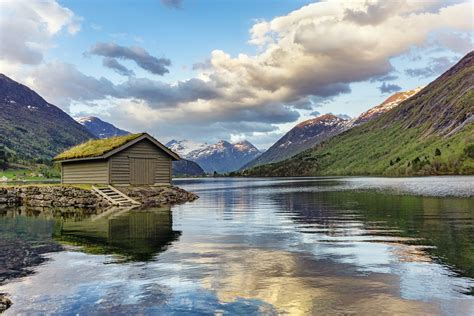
172, 154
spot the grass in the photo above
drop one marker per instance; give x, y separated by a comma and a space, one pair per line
390, 152
79, 186
34, 173
96, 148
415, 138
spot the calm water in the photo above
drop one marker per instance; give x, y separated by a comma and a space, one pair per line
260, 246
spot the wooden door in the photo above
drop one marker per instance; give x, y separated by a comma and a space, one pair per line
142, 171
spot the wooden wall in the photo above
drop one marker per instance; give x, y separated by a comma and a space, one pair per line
120, 163
85, 172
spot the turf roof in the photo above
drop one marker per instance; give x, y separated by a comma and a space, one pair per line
96, 147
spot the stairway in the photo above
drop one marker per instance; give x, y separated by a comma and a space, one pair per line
114, 196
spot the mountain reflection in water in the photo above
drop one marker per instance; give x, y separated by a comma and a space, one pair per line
265, 246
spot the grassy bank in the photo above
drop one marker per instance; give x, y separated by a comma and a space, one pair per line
79, 186
31, 173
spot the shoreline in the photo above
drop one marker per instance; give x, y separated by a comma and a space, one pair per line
82, 196
24, 255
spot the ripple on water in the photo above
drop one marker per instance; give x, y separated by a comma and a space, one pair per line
266, 246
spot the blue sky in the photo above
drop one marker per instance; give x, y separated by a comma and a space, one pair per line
265, 65
186, 35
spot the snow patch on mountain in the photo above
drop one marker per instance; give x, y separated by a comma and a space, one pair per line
316, 130
184, 147
99, 128
222, 156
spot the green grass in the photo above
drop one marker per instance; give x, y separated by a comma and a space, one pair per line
79, 186
416, 138
392, 151
35, 173
96, 148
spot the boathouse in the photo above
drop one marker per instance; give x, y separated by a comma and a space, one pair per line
135, 159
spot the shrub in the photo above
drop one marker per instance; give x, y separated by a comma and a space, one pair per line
469, 150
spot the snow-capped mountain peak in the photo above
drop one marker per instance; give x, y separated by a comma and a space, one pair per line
393, 101
184, 147
245, 146
316, 130
99, 128
85, 119
222, 156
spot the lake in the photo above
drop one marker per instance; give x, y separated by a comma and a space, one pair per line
256, 246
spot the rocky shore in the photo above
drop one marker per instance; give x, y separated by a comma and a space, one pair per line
154, 196
51, 196
18, 256
70, 196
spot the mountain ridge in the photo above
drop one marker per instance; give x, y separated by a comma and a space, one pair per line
103, 129
100, 128
33, 130
429, 133
316, 130
221, 157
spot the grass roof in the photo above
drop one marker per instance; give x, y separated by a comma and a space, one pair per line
96, 147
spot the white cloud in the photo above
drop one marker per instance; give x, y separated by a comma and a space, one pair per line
61, 83
27, 28
312, 53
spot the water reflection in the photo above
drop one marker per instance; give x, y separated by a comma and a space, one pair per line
133, 234
263, 247
440, 229
129, 235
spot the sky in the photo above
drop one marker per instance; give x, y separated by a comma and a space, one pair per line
235, 69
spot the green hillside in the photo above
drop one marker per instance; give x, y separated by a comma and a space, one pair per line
430, 133
32, 130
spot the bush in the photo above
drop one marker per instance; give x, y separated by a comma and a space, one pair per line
469, 150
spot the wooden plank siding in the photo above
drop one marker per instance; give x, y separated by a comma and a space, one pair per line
85, 172
142, 170
120, 163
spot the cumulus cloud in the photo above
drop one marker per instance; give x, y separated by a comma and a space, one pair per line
113, 64
435, 67
458, 42
318, 50
61, 83
387, 77
136, 115
27, 28
311, 54
204, 65
389, 88
159, 94
154, 65
175, 4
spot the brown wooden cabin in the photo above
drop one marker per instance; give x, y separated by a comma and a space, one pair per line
135, 159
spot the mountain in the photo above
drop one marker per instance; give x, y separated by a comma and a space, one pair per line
429, 133
99, 128
31, 129
393, 101
314, 131
184, 147
187, 168
220, 157
102, 129
303, 136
